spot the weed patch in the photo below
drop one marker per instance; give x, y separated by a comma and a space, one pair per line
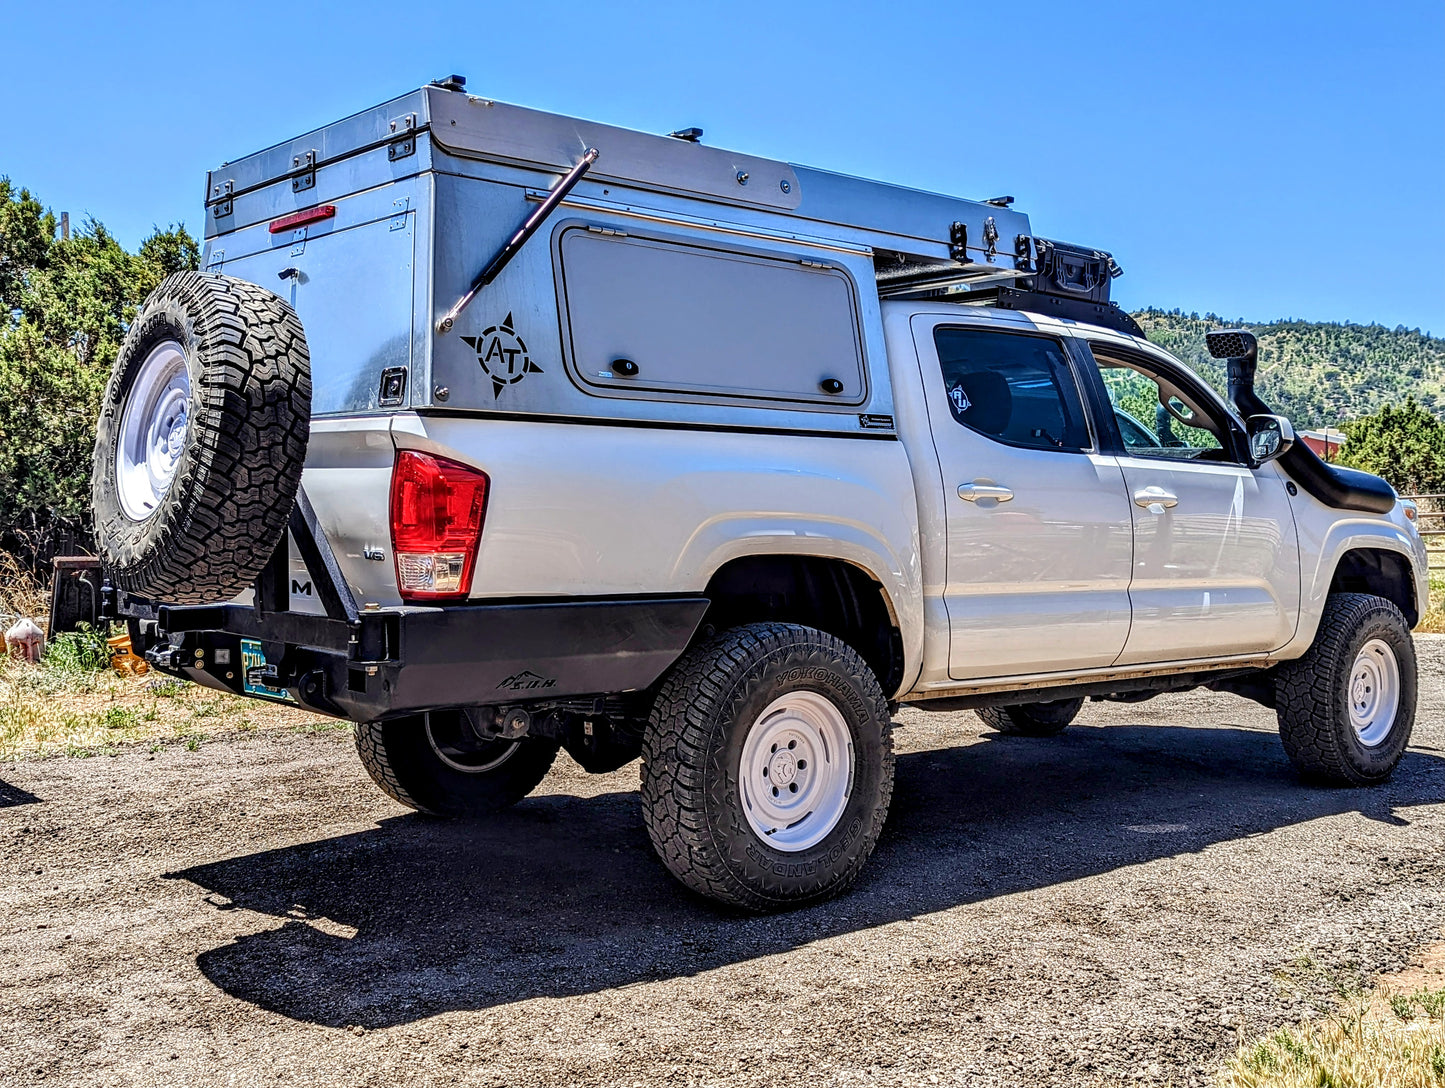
1365, 1039
65, 706
1432, 621
77, 652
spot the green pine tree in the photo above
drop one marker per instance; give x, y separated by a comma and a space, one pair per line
1405, 445
64, 309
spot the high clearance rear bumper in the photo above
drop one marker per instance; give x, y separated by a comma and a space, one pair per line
388, 662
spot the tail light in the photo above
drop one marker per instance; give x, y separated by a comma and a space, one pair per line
437, 507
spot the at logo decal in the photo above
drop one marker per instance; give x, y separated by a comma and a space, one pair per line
502, 355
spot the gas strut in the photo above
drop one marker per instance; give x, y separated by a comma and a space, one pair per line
504, 255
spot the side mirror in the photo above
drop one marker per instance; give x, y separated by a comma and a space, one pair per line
1269, 437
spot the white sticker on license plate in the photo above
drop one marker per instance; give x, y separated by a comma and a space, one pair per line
253, 657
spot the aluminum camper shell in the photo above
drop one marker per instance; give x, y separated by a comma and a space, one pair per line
405, 202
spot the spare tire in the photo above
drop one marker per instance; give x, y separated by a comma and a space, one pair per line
201, 439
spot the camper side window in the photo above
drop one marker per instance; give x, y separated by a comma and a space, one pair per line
652, 317
1013, 388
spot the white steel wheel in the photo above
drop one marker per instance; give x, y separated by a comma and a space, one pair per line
1374, 692
153, 430
767, 766
796, 771
1347, 706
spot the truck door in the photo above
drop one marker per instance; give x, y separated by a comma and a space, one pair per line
1038, 522
1216, 565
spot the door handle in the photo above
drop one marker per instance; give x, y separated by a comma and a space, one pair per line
974, 492
1150, 497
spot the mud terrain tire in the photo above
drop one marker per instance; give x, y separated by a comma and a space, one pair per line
1032, 719
403, 758
697, 795
201, 439
1362, 640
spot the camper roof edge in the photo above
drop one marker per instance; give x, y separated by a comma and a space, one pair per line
473, 126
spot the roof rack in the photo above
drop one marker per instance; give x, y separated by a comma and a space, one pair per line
1048, 277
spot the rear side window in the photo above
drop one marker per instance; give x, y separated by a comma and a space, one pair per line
1013, 388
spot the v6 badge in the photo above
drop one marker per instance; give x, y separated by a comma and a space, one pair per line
502, 355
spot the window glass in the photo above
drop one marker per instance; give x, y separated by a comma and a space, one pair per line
1157, 418
1014, 388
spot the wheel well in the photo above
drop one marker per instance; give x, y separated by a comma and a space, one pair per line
1383, 573
827, 594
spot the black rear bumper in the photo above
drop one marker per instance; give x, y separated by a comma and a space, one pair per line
388, 662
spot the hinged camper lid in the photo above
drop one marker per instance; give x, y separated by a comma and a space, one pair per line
482, 128
397, 120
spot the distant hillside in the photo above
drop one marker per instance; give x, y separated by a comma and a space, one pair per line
1318, 373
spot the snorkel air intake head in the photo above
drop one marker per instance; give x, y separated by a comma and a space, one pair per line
1241, 351
1232, 344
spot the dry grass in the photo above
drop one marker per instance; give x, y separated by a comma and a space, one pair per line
68, 706
74, 704
1392, 1035
1433, 621
21, 593
1344, 1052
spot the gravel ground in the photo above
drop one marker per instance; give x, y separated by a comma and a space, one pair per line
1116, 905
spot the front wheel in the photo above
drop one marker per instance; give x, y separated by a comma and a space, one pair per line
437, 764
767, 766
1346, 708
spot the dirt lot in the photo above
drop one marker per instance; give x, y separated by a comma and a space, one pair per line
1117, 905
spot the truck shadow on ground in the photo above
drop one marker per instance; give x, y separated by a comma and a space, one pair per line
11, 795
563, 895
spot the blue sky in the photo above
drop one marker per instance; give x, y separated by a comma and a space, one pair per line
1254, 159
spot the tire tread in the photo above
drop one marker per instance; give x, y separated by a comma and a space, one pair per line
230, 503
400, 761
1308, 692
692, 697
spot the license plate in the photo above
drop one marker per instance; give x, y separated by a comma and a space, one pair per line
252, 656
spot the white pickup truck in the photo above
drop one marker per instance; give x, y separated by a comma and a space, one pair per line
499, 432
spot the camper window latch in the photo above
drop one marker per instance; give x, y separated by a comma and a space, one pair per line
504, 256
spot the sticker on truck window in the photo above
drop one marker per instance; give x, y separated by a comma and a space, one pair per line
254, 658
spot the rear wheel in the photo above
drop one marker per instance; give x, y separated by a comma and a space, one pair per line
437, 764
1032, 719
1347, 707
767, 766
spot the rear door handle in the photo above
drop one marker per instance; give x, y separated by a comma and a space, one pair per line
1149, 497
974, 492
